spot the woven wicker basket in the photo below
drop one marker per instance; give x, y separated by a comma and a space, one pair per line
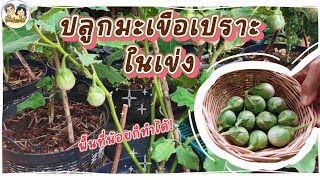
233, 80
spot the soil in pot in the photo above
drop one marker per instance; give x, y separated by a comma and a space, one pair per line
19, 77
31, 131
280, 53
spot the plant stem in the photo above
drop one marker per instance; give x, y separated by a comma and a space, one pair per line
51, 101
174, 165
25, 65
152, 137
43, 44
117, 123
274, 36
5, 74
65, 102
216, 54
100, 84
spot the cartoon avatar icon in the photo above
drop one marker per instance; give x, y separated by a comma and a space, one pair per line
10, 10
21, 12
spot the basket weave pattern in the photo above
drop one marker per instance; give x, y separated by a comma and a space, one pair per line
235, 83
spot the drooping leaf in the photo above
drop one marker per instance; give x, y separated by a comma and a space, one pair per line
205, 75
163, 150
109, 72
219, 164
99, 8
167, 47
35, 101
187, 157
183, 98
183, 81
51, 24
115, 44
45, 83
87, 59
308, 163
50, 13
115, 56
17, 39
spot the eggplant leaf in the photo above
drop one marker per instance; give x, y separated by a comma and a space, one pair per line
49, 13
87, 59
99, 8
205, 75
115, 56
187, 157
183, 81
308, 163
51, 23
183, 98
17, 39
35, 101
219, 164
167, 47
115, 44
162, 151
109, 72
45, 83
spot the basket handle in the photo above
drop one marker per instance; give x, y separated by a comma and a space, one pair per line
13, 143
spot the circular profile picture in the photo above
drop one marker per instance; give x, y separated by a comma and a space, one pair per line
15, 14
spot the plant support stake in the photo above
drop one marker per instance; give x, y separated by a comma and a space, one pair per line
25, 65
119, 146
65, 102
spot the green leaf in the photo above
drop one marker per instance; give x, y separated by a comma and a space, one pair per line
87, 59
49, 13
45, 83
220, 12
51, 24
167, 47
17, 39
115, 44
241, 12
219, 164
159, 141
163, 150
109, 72
115, 56
29, 24
308, 163
183, 81
205, 75
183, 98
228, 46
187, 158
98, 8
35, 101
84, 14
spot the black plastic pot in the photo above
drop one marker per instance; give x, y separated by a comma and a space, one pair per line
138, 101
127, 166
140, 147
12, 95
69, 160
